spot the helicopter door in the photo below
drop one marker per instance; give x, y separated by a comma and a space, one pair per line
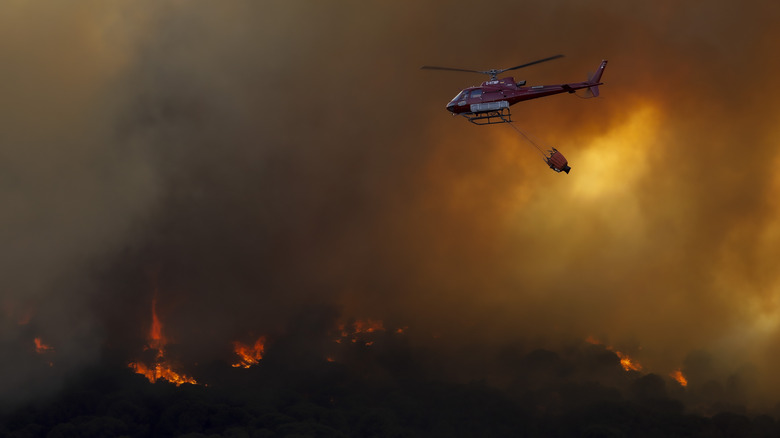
475, 96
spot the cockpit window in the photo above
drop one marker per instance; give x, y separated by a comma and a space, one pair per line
476, 93
462, 95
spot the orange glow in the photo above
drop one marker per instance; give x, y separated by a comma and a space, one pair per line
330, 359
15, 312
679, 377
249, 354
155, 331
25, 318
161, 368
40, 347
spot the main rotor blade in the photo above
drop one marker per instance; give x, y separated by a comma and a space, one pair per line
531, 63
429, 67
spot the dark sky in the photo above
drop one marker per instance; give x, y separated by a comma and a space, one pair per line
257, 163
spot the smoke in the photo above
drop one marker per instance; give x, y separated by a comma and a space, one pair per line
72, 190
271, 169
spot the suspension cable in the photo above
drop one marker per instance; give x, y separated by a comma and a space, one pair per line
519, 131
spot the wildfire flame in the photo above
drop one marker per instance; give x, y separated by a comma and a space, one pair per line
679, 377
161, 368
626, 362
249, 354
40, 347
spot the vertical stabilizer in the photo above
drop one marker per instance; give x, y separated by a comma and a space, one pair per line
595, 79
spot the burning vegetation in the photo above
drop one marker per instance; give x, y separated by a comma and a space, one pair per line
626, 361
161, 367
630, 364
249, 355
678, 376
359, 331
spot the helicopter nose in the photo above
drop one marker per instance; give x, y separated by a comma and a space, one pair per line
451, 107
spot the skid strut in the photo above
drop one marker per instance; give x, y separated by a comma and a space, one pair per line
490, 117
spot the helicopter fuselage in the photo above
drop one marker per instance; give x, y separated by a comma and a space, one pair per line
505, 92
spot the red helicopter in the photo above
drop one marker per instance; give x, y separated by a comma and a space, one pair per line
489, 103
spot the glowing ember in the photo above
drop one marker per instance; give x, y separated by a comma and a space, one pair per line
362, 332
368, 326
161, 369
358, 330
679, 377
40, 347
249, 354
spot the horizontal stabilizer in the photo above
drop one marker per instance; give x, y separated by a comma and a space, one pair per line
592, 91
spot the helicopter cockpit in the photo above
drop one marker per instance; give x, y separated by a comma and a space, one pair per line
461, 96
459, 100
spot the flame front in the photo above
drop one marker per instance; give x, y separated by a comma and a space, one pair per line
249, 354
161, 368
679, 377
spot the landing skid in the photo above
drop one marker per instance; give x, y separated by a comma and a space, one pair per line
490, 117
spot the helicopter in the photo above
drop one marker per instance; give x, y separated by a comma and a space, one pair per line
489, 103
